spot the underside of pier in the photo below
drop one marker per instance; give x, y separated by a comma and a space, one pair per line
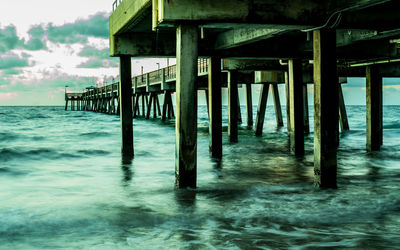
308, 41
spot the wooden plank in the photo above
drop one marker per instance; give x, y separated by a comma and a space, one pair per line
125, 86
215, 106
232, 106
326, 109
186, 103
262, 105
296, 107
374, 109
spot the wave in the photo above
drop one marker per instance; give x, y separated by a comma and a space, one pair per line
7, 136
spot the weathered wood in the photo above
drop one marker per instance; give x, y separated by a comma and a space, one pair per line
296, 107
186, 104
326, 108
262, 105
125, 86
233, 106
170, 107
154, 105
143, 105
165, 106
215, 106
249, 106
149, 107
374, 109
277, 105
287, 92
305, 110
208, 103
344, 123
66, 102
158, 105
239, 111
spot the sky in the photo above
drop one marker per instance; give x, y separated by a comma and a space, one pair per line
46, 45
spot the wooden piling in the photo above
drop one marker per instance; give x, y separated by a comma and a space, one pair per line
374, 109
149, 106
262, 105
186, 104
326, 108
344, 123
233, 106
249, 106
305, 110
287, 92
125, 86
215, 106
296, 107
165, 106
277, 105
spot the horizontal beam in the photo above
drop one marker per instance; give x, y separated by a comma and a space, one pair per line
236, 37
148, 44
277, 14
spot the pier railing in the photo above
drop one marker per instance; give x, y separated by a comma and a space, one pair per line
155, 77
115, 4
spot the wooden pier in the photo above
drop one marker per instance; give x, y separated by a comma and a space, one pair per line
266, 42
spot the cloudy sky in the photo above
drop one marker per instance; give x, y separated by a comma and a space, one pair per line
46, 45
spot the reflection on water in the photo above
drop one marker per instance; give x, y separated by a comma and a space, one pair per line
64, 185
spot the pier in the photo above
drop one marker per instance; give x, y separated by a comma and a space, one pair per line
225, 43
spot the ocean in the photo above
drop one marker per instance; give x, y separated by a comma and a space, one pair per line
64, 185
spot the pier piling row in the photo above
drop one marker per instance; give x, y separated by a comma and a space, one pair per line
300, 42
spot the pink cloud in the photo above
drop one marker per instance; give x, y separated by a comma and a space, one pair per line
8, 96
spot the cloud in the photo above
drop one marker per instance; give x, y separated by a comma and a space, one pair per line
8, 38
97, 58
37, 40
12, 71
12, 61
80, 30
8, 96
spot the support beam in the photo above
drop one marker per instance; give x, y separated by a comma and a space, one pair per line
249, 106
165, 106
215, 106
125, 86
374, 109
296, 107
277, 105
186, 103
326, 108
233, 106
344, 123
287, 92
262, 105
305, 110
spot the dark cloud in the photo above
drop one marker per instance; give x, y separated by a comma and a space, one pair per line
80, 30
37, 39
8, 38
13, 61
11, 72
97, 58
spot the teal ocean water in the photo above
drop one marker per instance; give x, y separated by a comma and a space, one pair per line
64, 186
